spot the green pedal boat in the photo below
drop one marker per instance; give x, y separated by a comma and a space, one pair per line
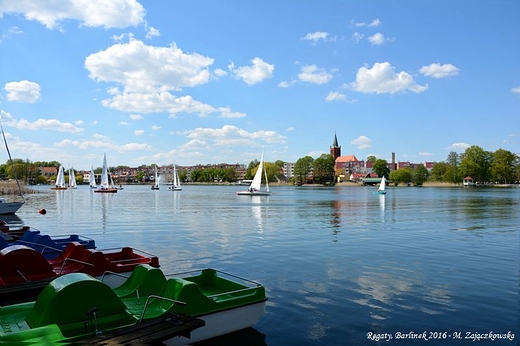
179, 309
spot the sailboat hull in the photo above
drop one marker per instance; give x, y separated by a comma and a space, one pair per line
105, 190
253, 193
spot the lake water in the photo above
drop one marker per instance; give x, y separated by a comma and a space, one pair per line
341, 266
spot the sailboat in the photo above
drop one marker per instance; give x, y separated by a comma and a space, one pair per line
104, 186
382, 186
176, 184
72, 179
255, 187
7, 208
60, 180
155, 185
92, 178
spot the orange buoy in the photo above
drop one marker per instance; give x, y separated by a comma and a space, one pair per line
42, 211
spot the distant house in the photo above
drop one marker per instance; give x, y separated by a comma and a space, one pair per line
468, 181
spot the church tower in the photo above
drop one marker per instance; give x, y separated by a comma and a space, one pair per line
335, 149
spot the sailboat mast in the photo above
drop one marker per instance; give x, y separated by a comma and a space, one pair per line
12, 164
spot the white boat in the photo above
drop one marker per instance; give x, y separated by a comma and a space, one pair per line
381, 190
92, 178
72, 179
176, 184
105, 186
60, 180
6, 207
255, 187
155, 185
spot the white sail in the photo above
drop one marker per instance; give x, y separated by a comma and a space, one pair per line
60, 180
254, 188
92, 178
104, 174
72, 179
176, 180
257, 180
176, 183
382, 185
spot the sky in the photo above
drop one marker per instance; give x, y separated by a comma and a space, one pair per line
207, 82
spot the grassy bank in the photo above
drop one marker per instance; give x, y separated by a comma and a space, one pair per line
9, 187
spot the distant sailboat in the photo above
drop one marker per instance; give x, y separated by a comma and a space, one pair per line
92, 178
176, 185
255, 187
382, 186
155, 185
72, 179
105, 186
60, 180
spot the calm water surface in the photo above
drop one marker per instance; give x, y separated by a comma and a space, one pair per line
338, 263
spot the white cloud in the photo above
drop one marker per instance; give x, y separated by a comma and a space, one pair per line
136, 116
225, 112
91, 13
40, 124
156, 103
316, 36
335, 96
425, 154
141, 68
362, 142
139, 132
47, 124
147, 75
152, 32
378, 39
515, 90
381, 78
439, 71
134, 147
256, 73
290, 129
23, 91
314, 74
459, 146
375, 23
155, 127
219, 73
356, 37
283, 84
230, 135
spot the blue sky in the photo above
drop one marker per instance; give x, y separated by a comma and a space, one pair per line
201, 82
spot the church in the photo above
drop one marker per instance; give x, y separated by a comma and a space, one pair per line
348, 168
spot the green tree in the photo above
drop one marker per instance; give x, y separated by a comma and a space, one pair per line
324, 169
438, 170
453, 159
251, 169
503, 166
401, 175
476, 162
302, 168
381, 168
419, 175
371, 158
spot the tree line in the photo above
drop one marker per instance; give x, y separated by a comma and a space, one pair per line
500, 166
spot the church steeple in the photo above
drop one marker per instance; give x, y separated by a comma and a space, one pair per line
335, 149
